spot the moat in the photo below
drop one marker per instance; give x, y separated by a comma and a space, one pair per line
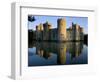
57, 53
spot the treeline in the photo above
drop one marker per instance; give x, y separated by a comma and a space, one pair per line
86, 39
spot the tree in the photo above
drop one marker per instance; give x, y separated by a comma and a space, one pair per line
31, 18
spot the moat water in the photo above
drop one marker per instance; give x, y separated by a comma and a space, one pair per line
53, 53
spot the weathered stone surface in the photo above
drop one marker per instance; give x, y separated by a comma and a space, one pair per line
61, 29
45, 32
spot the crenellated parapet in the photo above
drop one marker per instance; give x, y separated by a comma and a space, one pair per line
45, 32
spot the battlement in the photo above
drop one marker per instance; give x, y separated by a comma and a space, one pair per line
61, 33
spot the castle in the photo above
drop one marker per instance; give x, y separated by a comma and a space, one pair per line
45, 32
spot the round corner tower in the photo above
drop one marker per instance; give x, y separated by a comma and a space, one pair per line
61, 29
41, 26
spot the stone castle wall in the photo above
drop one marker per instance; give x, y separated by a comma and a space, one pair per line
45, 32
61, 29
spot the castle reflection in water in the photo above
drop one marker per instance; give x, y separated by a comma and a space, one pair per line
57, 53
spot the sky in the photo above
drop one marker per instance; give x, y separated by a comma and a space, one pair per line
82, 21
